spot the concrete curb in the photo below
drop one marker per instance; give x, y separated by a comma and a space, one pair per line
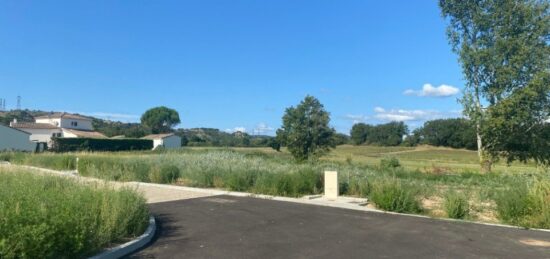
132, 246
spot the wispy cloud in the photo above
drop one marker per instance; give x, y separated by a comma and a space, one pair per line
112, 116
429, 90
406, 115
263, 128
356, 118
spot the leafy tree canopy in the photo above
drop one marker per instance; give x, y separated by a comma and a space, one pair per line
503, 46
305, 130
160, 119
389, 134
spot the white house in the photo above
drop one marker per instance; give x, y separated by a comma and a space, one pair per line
60, 124
169, 140
15, 140
66, 121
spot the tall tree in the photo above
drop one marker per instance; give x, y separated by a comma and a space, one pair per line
305, 130
160, 119
455, 133
359, 133
503, 48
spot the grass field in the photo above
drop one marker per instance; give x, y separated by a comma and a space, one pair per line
438, 182
423, 158
53, 217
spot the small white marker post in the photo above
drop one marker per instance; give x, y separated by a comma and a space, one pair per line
331, 185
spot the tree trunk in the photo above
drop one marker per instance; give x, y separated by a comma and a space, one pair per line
484, 161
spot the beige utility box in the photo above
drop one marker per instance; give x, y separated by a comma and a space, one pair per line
331, 185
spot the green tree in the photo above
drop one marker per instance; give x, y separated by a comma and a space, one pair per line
305, 130
359, 133
340, 139
160, 119
504, 51
455, 133
389, 134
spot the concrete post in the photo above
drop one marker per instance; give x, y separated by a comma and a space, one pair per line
331, 185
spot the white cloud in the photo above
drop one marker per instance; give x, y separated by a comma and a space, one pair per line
262, 128
233, 130
406, 115
356, 118
431, 91
379, 109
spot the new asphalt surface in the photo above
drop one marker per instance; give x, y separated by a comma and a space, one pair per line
236, 227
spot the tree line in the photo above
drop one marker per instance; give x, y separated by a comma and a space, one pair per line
454, 133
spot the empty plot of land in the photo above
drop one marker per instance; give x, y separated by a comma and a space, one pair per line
237, 227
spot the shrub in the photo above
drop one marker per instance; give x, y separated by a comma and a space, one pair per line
240, 181
165, 174
513, 203
93, 144
389, 163
456, 205
54, 217
392, 195
525, 205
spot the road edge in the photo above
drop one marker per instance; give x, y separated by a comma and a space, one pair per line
132, 246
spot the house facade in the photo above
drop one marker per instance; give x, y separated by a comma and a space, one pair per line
15, 140
58, 125
169, 141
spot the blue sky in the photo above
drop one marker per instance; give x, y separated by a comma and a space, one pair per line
230, 64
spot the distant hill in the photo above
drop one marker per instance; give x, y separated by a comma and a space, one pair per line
216, 137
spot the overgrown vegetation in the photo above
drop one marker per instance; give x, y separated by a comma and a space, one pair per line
525, 204
54, 217
45, 160
456, 205
456, 192
393, 195
389, 162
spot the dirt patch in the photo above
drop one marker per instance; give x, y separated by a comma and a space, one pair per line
434, 205
535, 242
484, 211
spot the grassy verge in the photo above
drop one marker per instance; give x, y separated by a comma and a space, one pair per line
53, 217
390, 184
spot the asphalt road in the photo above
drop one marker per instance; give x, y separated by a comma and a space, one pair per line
234, 227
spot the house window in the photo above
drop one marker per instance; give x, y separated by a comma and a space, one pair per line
74, 123
56, 135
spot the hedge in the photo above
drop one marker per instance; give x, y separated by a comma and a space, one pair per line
94, 144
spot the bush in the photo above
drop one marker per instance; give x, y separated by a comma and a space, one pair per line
93, 144
525, 205
513, 204
54, 217
392, 195
456, 205
389, 163
166, 174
